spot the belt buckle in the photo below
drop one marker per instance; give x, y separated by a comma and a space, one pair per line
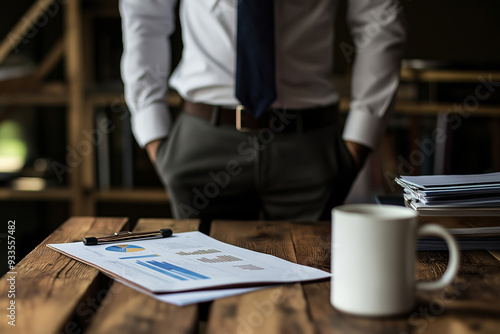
240, 128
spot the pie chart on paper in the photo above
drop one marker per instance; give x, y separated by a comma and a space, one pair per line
125, 248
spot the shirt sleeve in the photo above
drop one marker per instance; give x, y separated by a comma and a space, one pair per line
145, 65
378, 31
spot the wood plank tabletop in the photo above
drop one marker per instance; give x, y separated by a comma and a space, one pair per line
469, 305
54, 293
282, 309
125, 310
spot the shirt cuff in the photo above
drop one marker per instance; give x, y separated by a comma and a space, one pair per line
151, 123
364, 128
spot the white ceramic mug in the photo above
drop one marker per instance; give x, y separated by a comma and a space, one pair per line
373, 259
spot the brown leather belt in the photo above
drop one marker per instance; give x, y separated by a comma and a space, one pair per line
276, 119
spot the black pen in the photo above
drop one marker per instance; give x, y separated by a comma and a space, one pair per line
121, 236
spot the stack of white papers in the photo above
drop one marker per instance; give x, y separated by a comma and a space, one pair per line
474, 194
189, 267
474, 238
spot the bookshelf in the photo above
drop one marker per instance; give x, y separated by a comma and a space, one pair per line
113, 193
81, 97
33, 91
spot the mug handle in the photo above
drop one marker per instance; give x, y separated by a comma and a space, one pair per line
454, 258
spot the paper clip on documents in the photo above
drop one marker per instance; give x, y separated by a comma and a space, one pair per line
121, 236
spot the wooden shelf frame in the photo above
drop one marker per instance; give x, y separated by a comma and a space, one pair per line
56, 194
136, 195
35, 92
23, 26
431, 108
448, 76
34, 99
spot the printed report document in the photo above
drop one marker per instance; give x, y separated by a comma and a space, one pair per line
186, 262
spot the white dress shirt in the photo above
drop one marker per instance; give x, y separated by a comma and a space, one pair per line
304, 59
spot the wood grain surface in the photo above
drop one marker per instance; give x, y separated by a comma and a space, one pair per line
469, 305
125, 310
281, 309
54, 293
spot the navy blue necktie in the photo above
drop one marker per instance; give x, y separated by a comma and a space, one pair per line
255, 63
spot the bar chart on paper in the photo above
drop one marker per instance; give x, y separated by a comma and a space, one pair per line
199, 252
249, 267
220, 258
138, 257
171, 270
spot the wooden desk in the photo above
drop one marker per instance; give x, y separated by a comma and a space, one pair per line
54, 294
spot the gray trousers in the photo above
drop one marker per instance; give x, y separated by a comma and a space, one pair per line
216, 172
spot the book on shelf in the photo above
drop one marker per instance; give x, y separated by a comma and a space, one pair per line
114, 149
102, 151
127, 154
